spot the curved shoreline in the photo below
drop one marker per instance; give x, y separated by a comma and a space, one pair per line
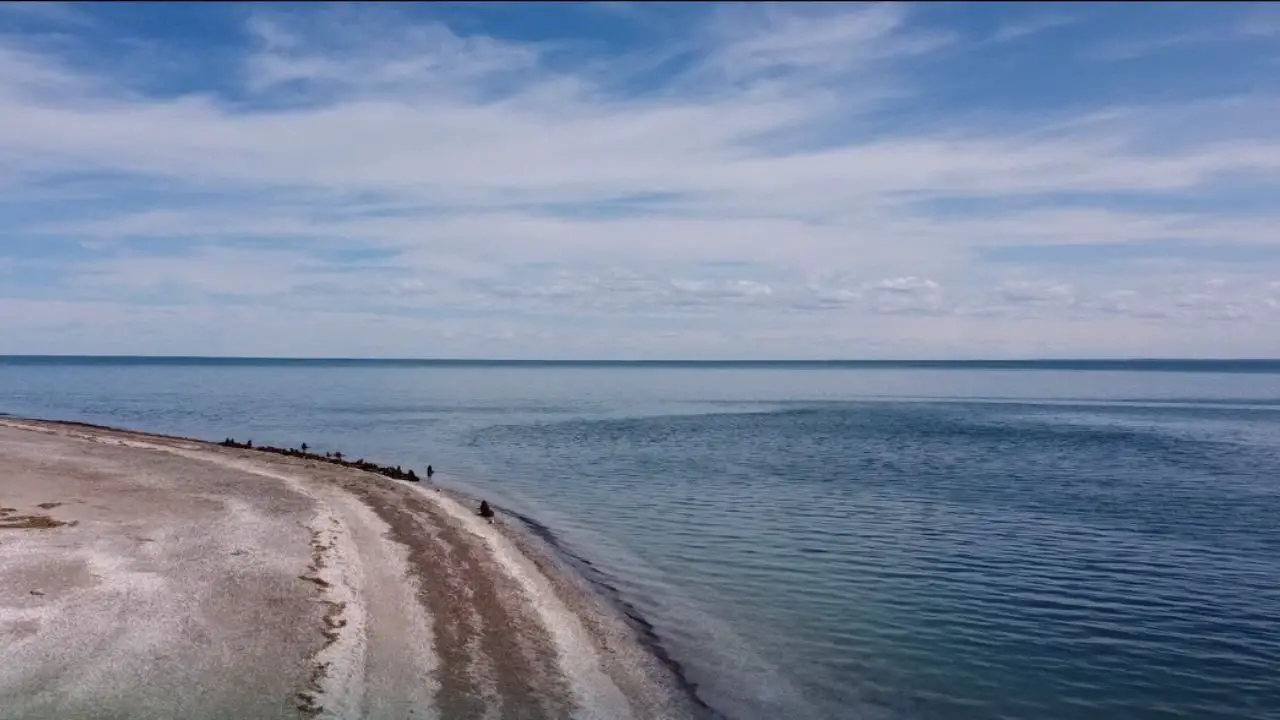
415, 604
645, 632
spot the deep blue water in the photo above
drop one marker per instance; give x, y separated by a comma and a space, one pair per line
832, 541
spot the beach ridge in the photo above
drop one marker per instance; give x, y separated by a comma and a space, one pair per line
280, 586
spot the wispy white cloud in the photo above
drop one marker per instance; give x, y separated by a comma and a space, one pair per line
1026, 28
60, 13
762, 179
1130, 49
818, 41
1025, 291
1261, 20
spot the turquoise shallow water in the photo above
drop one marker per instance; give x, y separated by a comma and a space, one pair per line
832, 542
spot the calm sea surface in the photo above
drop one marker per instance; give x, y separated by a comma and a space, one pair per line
832, 542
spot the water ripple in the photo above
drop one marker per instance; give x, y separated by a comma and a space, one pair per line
1109, 552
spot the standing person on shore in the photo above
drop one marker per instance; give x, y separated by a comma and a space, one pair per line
430, 471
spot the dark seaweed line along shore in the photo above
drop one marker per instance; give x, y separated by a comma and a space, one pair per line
646, 632
333, 458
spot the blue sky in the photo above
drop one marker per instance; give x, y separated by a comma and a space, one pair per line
656, 180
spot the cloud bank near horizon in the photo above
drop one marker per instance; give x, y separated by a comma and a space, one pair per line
621, 180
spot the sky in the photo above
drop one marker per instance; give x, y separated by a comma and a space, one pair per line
641, 181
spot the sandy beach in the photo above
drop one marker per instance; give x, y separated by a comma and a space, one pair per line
153, 577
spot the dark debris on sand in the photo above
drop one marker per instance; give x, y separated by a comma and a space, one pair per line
335, 458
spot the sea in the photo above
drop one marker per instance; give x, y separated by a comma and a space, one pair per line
1034, 540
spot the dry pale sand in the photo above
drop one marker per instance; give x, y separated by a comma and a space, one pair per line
151, 577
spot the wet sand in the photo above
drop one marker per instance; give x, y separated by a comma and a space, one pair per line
152, 577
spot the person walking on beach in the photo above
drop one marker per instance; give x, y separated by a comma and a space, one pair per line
486, 512
430, 471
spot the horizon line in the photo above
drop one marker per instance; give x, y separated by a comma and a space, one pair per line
651, 361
